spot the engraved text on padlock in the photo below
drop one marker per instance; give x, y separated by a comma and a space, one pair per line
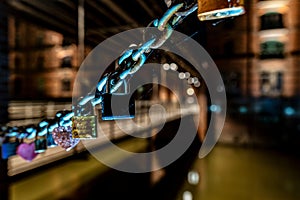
84, 127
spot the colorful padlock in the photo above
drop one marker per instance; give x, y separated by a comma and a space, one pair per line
27, 147
84, 127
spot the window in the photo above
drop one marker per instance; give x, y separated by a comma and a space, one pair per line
271, 49
66, 85
66, 62
271, 21
271, 83
232, 81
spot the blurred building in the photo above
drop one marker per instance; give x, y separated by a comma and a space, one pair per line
258, 52
3, 66
258, 56
42, 63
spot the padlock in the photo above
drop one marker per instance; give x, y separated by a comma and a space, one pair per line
63, 137
51, 125
84, 120
219, 9
27, 147
118, 104
10, 143
84, 127
41, 136
41, 140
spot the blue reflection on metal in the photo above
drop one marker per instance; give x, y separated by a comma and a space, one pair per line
66, 123
101, 83
118, 117
86, 99
68, 116
12, 134
58, 114
125, 55
22, 135
155, 23
51, 127
30, 130
124, 74
32, 135
136, 55
139, 64
96, 101
43, 123
43, 132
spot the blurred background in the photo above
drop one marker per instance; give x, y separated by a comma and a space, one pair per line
42, 45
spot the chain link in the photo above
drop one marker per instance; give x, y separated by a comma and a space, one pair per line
189, 6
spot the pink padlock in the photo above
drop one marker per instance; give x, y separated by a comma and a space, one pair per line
63, 137
27, 151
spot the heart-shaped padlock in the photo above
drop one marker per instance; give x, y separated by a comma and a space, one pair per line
63, 137
27, 148
27, 151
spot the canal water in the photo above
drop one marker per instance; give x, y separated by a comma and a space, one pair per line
243, 173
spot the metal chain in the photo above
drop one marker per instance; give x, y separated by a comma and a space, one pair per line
133, 59
128, 63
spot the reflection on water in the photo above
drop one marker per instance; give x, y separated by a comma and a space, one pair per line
245, 173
